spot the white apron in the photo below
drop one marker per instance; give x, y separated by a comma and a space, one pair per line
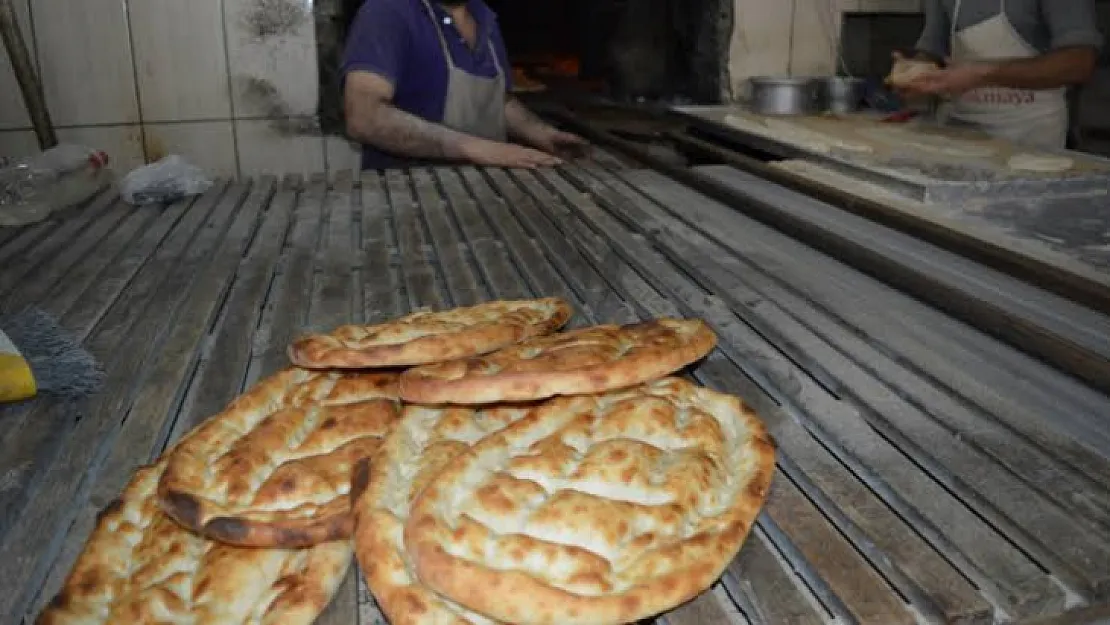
474, 104
1037, 118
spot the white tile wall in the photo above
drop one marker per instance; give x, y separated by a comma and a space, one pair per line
13, 113
272, 57
181, 59
85, 61
209, 145
760, 41
816, 31
123, 144
273, 147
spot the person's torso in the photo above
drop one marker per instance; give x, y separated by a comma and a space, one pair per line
1024, 15
422, 86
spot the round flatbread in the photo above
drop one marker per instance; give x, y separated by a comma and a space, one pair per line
139, 566
424, 441
590, 360
1041, 163
274, 469
426, 337
595, 509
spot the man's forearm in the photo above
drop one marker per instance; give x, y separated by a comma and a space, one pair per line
524, 124
389, 128
1059, 68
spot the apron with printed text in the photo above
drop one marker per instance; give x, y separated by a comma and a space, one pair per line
1037, 118
474, 104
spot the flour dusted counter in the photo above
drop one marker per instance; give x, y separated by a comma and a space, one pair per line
926, 472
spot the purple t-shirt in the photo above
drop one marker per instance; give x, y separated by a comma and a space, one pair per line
397, 40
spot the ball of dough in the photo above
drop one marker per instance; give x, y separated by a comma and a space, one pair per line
905, 71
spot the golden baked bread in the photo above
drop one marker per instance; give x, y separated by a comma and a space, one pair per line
422, 443
139, 566
595, 509
590, 360
274, 468
426, 336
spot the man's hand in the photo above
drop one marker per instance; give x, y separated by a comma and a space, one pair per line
954, 80
497, 154
563, 144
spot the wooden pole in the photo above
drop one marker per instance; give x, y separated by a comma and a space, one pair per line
33, 97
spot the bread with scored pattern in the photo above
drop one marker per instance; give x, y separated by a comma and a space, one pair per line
274, 468
140, 566
594, 509
596, 359
423, 442
431, 336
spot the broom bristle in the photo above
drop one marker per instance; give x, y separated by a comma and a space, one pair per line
60, 365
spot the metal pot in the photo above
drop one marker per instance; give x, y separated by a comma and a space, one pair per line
785, 95
844, 93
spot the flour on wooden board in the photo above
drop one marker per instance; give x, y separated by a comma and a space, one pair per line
789, 132
1046, 163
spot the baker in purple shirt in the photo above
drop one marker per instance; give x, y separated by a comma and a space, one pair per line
427, 81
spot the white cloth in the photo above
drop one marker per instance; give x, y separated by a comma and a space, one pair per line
1036, 118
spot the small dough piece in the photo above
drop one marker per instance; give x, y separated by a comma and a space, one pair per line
426, 337
139, 566
1042, 163
274, 468
595, 509
424, 441
904, 71
590, 360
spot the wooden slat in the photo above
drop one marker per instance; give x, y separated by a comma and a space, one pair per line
35, 285
57, 242
853, 586
419, 274
30, 440
25, 240
383, 294
332, 305
333, 293
453, 259
143, 434
130, 333
106, 268
1030, 519
1014, 389
1069, 336
221, 374
1022, 587
286, 311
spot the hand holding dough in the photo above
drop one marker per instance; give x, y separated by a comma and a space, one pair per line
904, 71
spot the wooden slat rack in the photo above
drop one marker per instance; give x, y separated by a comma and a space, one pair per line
927, 473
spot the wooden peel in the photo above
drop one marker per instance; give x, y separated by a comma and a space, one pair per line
33, 97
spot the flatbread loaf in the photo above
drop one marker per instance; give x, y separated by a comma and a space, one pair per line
139, 566
426, 336
421, 444
274, 469
595, 509
590, 360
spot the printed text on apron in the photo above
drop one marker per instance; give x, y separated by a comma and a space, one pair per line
1034, 118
